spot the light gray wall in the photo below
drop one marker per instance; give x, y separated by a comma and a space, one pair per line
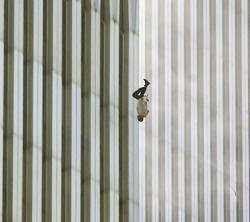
194, 145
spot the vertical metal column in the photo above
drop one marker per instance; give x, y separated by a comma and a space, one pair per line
148, 136
168, 109
213, 110
194, 159
174, 113
200, 106
66, 110
8, 112
248, 92
90, 162
239, 144
153, 116
110, 111
47, 111
129, 128
187, 108
231, 90
226, 109
1, 100
161, 111
28, 76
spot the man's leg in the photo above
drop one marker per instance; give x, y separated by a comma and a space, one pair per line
146, 82
144, 88
139, 93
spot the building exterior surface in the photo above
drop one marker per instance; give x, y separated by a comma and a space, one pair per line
68, 139
194, 145
71, 148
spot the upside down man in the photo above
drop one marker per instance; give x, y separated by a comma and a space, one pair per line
143, 101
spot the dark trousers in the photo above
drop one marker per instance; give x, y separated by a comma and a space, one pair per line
140, 92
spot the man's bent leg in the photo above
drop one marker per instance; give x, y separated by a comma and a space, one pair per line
139, 93
136, 94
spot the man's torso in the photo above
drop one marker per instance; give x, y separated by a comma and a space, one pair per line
142, 106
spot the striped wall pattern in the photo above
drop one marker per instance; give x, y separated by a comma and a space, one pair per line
194, 145
68, 136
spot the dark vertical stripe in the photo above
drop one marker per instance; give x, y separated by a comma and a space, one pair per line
86, 161
174, 112
123, 126
200, 109
66, 109
8, 111
28, 57
161, 112
187, 102
83, 71
239, 162
123, 116
47, 111
213, 109
86, 102
103, 119
105, 107
226, 111
248, 60
148, 127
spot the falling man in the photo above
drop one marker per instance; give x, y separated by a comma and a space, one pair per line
143, 101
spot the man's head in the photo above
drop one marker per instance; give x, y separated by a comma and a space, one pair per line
140, 118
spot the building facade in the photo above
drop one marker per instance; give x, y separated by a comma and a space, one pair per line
71, 148
68, 139
194, 146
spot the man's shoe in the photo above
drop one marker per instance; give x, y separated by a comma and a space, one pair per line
146, 82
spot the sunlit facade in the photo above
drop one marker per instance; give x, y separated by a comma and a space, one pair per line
71, 148
194, 145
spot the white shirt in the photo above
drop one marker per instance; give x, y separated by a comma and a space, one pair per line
142, 106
